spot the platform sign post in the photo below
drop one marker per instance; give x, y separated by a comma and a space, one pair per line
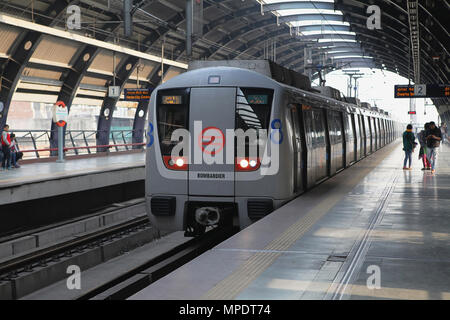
60, 115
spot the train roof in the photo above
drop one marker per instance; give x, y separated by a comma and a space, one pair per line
265, 67
262, 73
330, 92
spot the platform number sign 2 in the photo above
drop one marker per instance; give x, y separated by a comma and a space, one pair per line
420, 90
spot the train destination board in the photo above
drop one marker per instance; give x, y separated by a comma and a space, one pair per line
171, 100
137, 94
423, 91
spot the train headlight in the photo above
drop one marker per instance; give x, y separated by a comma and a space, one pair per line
179, 162
176, 163
246, 164
243, 163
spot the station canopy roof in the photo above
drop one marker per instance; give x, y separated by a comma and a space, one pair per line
301, 35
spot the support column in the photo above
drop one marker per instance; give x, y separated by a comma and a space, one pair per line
69, 89
140, 122
189, 25
109, 104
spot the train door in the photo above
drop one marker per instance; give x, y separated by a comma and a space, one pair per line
310, 137
322, 145
356, 136
340, 137
368, 126
364, 135
380, 124
297, 147
349, 151
331, 130
209, 174
376, 131
327, 138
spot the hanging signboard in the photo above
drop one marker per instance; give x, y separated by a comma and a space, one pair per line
137, 94
423, 91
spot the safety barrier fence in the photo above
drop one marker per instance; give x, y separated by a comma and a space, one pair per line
36, 143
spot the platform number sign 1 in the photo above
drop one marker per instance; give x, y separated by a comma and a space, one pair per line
113, 91
420, 90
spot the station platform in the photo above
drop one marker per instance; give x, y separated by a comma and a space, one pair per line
43, 180
373, 231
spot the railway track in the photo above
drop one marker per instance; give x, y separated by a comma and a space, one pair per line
143, 275
40, 257
129, 234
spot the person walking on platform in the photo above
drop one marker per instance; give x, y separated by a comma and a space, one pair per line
423, 148
433, 138
409, 143
6, 145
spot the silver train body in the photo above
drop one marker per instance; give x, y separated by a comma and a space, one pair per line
319, 137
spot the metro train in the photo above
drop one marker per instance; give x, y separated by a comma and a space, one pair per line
311, 134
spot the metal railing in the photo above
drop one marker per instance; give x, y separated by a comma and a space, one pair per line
36, 143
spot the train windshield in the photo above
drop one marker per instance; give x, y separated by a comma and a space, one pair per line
172, 113
253, 108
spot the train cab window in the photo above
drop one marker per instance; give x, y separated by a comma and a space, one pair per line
172, 112
253, 108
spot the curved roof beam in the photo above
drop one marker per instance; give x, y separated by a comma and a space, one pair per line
310, 17
290, 5
325, 27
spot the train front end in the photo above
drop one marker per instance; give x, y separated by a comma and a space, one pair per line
210, 156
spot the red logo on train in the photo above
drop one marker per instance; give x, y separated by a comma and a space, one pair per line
211, 140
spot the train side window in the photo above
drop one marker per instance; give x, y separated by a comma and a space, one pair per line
355, 126
319, 126
340, 130
308, 121
349, 129
368, 126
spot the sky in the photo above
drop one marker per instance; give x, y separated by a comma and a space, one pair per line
377, 87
